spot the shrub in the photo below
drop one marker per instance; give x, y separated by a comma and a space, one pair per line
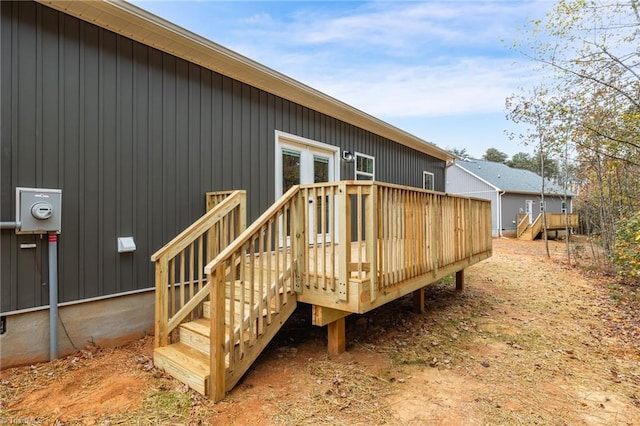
626, 250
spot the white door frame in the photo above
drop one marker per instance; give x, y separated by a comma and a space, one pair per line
286, 140
528, 208
307, 148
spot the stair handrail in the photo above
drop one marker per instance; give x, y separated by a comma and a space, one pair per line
217, 273
250, 230
234, 202
536, 226
522, 225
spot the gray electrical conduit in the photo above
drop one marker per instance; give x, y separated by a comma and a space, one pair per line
53, 296
9, 225
53, 288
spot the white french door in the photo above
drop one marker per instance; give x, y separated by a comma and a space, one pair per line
304, 161
528, 208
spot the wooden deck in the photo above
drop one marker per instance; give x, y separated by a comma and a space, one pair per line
357, 246
554, 222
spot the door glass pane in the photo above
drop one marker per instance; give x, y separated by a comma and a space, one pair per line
321, 174
320, 169
290, 169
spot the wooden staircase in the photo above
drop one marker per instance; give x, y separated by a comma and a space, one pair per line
531, 230
188, 359
224, 289
554, 221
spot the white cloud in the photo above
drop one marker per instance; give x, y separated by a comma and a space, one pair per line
398, 58
468, 85
410, 62
397, 25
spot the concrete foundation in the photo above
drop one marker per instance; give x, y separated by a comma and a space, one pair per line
103, 322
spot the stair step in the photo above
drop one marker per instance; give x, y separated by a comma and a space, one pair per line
206, 308
196, 334
185, 363
238, 310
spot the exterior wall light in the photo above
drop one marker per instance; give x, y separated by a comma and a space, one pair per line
348, 156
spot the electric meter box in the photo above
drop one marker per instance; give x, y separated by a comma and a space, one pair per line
38, 210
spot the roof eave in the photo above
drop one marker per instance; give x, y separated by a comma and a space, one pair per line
137, 24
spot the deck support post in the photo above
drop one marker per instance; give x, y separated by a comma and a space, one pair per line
418, 300
336, 337
460, 280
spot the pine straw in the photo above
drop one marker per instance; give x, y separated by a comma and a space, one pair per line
345, 394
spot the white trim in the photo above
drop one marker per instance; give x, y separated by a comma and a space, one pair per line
477, 177
367, 174
308, 149
528, 208
433, 180
287, 140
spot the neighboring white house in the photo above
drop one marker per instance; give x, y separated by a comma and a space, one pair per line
510, 190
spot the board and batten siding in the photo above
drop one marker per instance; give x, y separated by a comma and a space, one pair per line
134, 137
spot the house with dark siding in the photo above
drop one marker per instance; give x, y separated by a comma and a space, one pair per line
134, 119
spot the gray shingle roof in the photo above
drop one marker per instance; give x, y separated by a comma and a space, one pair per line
509, 179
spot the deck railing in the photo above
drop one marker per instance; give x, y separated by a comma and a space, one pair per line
554, 221
385, 234
523, 223
319, 223
422, 231
560, 220
180, 282
214, 198
251, 282
339, 245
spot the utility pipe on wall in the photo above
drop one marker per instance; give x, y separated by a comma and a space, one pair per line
53, 296
9, 225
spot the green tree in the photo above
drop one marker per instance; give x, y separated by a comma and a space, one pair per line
536, 112
521, 160
495, 155
590, 61
459, 152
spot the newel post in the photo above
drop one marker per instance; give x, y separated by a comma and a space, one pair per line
216, 337
371, 237
162, 293
242, 213
299, 240
344, 239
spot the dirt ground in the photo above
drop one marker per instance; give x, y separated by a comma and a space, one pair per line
530, 341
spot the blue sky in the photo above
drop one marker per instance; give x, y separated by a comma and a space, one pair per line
438, 69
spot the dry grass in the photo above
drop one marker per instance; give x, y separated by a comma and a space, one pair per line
531, 341
344, 394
